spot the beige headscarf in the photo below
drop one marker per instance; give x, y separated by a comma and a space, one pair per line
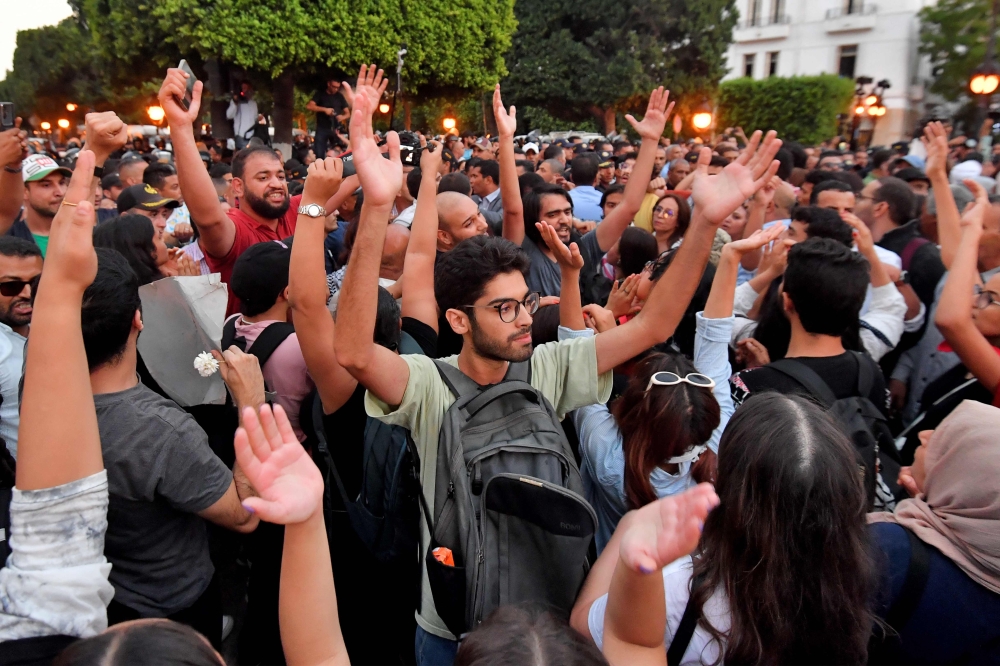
959, 511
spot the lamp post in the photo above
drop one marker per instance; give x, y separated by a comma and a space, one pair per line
867, 102
986, 78
703, 117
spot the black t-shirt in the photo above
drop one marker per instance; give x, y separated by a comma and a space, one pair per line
839, 372
333, 101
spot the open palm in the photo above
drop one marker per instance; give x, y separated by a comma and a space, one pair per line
715, 197
568, 256
756, 240
656, 116
371, 85
506, 121
381, 179
667, 529
288, 482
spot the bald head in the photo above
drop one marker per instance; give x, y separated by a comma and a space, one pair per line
397, 237
784, 199
458, 218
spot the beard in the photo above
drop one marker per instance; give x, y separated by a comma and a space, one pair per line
264, 208
44, 211
496, 350
9, 317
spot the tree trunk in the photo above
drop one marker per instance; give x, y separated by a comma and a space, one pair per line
489, 120
609, 121
283, 91
407, 109
218, 79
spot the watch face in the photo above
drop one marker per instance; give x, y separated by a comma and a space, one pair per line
313, 210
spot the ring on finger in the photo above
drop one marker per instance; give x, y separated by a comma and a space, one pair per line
67, 203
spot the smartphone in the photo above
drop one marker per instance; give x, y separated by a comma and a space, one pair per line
6, 116
191, 80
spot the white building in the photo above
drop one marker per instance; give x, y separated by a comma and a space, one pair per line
848, 37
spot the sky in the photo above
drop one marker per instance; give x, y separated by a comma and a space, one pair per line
20, 15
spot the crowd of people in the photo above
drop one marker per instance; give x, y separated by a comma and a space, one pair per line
496, 401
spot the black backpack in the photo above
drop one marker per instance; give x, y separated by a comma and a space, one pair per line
863, 423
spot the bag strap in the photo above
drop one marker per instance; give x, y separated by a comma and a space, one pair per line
807, 377
877, 333
685, 630
906, 256
866, 378
269, 340
520, 372
457, 381
913, 587
229, 334
415, 470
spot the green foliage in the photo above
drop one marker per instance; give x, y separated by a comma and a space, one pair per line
953, 35
800, 108
576, 58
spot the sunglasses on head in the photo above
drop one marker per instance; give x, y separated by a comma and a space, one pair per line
15, 287
672, 379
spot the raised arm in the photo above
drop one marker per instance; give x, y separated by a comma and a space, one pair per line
381, 371
720, 298
570, 264
106, 133
650, 129
954, 312
291, 494
13, 149
419, 301
59, 441
510, 190
217, 231
715, 197
756, 213
307, 291
935, 141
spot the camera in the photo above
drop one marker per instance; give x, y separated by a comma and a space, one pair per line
6, 116
409, 148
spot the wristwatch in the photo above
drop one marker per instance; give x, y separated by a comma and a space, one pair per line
312, 210
904, 277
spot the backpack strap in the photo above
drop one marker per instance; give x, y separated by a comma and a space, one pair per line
877, 333
866, 378
807, 378
906, 256
520, 372
229, 334
685, 630
913, 587
269, 340
457, 381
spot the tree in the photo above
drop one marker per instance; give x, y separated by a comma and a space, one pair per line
953, 35
590, 58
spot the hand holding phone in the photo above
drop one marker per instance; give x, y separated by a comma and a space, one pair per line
191, 80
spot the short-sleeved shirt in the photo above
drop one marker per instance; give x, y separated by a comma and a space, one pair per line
161, 472
326, 100
545, 276
565, 373
250, 232
586, 203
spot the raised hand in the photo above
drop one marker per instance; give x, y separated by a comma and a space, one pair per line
862, 234
715, 197
621, 301
506, 121
935, 141
323, 179
667, 529
765, 195
755, 241
752, 354
173, 89
598, 319
657, 112
288, 482
71, 261
106, 133
775, 257
380, 178
567, 257
430, 158
242, 374
13, 145
972, 217
371, 84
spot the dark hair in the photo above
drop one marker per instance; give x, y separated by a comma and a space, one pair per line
527, 165
830, 153
816, 177
617, 188
773, 329
827, 283
461, 275
161, 643
526, 635
219, 170
899, 196
583, 169
529, 181
824, 223
636, 248
880, 157
788, 546
718, 161
830, 184
683, 216
490, 169
157, 173
545, 325
413, 182
682, 339
786, 164
455, 182
109, 306
798, 153
533, 209
12, 246
851, 178
661, 423
132, 236
387, 330
552, 152
241, 157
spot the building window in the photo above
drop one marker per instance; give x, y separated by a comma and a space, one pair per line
748, 65
777, 10
772, 63
754, 12
848, 60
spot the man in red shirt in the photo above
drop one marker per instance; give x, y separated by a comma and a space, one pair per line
264, 212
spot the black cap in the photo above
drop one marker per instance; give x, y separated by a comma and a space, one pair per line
260, 274
911, 174
145, 197
111, 180
297, 172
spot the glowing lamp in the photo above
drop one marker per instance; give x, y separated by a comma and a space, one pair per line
984, 84
71, 107
859, 111
871, 99
383, 108
155, 113
449, 123
63, 123
46, 126
702, 120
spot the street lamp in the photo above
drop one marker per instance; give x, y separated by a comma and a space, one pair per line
71, 107
383, 108
702, 118
63, 123
867, 102
46, 126
155, 113
449, 123
986, 78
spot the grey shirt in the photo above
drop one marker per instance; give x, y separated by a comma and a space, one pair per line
161, 472
544, 275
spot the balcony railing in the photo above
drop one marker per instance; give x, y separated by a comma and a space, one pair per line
856, 9
784, 19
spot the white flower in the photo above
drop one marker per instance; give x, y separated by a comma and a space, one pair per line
205, 364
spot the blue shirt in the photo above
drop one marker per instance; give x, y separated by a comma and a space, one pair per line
586, 203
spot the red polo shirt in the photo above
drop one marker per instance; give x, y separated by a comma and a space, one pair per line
250, 232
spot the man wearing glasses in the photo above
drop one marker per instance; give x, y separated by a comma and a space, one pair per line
20, 270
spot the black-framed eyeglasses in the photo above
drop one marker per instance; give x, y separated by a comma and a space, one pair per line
673, 379
15, 287
984, 297
510, 308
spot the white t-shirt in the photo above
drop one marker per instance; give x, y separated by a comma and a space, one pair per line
702, 649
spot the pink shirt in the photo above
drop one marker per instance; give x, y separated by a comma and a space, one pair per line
285, 372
